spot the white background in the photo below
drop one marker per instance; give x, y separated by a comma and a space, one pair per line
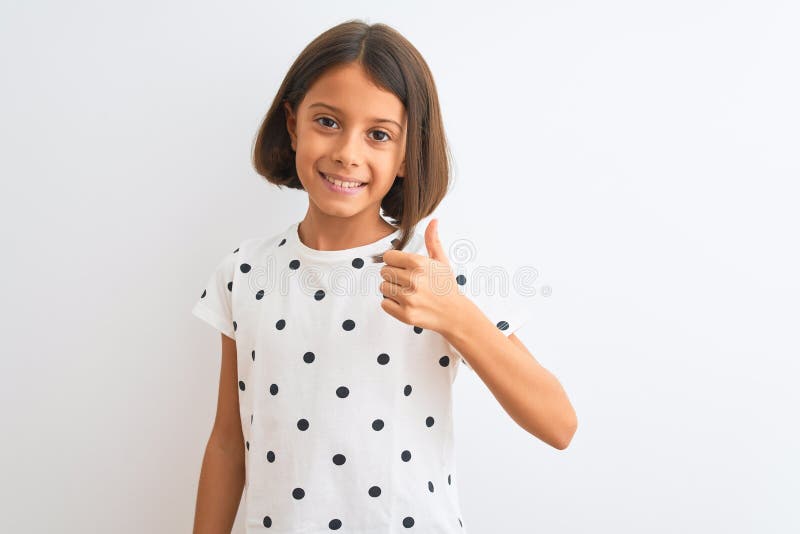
641, 156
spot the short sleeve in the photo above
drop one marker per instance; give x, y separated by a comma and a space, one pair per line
214, 305
505, 312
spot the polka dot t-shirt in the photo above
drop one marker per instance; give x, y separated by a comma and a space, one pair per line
346, 411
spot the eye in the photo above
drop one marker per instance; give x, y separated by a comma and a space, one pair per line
324, 119
384, 140
387, 138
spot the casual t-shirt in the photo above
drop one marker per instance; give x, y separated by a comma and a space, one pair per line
346, 411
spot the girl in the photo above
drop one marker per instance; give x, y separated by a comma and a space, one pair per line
342, 334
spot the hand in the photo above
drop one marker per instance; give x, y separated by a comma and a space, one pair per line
421, 290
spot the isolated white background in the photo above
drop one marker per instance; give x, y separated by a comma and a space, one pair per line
642, 156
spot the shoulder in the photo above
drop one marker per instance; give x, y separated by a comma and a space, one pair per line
253, 246
247, 253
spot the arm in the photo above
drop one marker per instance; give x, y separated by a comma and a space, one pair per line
222, 475
528, 392
418, 290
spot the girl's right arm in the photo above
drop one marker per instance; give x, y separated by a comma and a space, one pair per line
222, 476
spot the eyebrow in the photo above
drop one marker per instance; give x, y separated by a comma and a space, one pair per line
337, 110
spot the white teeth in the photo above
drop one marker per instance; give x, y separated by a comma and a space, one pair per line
346, 185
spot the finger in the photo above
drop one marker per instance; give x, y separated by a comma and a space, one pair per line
396, 275
403, 259
434, 244
395, 292
391, 307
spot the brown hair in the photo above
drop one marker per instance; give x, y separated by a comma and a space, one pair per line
393, 63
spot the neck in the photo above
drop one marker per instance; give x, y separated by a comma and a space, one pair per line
321, 231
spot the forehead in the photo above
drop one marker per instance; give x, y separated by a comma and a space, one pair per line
349, 89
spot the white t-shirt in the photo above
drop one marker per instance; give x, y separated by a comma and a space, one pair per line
346, 411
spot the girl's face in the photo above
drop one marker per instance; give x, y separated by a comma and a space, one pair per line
347, 126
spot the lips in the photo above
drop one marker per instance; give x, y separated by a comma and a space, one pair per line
341, 178
348, 191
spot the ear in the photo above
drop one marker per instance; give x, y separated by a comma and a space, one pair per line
291, 124
401, 172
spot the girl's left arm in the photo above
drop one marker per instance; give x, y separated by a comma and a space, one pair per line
528, 392
419, 290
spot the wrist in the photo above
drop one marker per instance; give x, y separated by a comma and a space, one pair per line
458, 317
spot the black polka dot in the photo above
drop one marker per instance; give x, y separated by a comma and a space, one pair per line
430, 486
339, 459
406, 456
308, 357
358, 263
335, 524
417, 329
448, 479
374, 491
319, 295
461, 279
342, 392
270, 456
395, 241
429, 421
203, 295
254, 355
245, 267
247, 445
241, 384
294, 264
283, 241
267, 521
407, 390
273, 389
230, 286
460, 523
302, 424
251, 419
298, 493
235, 326
260, 294
349, 324
377, 424
444, 361
408, 522
237, 250
383, 358
502, 325
280, 324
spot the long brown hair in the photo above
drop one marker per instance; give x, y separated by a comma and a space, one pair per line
395, 65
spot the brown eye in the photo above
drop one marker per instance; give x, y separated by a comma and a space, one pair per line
324, 119
386, 135
387, 138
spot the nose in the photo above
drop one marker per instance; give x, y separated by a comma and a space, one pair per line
347, 150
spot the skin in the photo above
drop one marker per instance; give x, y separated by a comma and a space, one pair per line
348, 143
420, 291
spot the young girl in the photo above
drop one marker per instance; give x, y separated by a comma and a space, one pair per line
342, 334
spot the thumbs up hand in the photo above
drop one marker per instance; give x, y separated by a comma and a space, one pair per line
421, 290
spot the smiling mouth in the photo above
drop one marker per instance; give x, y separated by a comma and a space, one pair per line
342, 188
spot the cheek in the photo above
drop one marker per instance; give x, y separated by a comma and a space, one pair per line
314, 149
